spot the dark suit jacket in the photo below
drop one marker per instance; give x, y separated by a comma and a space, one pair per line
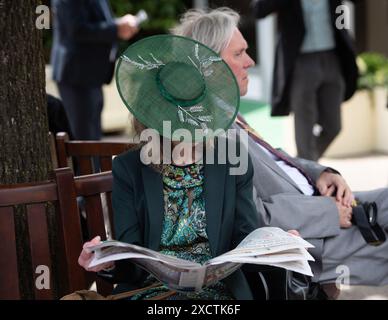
139, 210
292, 31
57, 118
83, 37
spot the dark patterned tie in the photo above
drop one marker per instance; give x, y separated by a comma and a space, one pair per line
256, 137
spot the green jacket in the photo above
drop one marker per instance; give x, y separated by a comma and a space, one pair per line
139, 210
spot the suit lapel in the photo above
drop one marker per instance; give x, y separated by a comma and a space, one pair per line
214, 199
269, 162
333, 4
256, 152
153, 189
105, 9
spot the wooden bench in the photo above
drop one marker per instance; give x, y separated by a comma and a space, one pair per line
96, 190
60, 193
34, 198
83, 152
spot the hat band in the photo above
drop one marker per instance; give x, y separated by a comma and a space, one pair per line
177, 101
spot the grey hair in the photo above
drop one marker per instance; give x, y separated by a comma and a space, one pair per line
213, 28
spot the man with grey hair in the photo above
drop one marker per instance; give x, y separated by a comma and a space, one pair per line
296, 193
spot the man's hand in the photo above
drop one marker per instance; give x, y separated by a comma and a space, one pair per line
126, 27
332, 184
345, 215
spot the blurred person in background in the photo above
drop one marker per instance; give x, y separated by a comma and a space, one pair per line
85, 36
315, 69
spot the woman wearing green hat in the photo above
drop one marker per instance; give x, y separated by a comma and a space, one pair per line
192, 207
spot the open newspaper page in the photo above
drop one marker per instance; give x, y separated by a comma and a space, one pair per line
177, 274
268, 246
271, 246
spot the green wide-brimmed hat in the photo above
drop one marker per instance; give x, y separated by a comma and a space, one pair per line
176, 79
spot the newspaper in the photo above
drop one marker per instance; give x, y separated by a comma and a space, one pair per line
267, 246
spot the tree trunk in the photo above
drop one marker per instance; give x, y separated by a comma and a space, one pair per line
24, 143
25, 154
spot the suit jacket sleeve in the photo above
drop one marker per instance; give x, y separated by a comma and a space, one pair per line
126, 224
74, 17
263, 8
314, 217
247, 219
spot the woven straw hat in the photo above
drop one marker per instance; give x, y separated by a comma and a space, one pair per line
176, 79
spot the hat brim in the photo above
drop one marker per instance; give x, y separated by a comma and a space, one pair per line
136, 74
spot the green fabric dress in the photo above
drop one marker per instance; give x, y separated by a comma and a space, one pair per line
184, 228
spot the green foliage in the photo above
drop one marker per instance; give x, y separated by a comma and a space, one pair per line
373, 69
163, 14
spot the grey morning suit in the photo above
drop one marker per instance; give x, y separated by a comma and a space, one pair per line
284, 205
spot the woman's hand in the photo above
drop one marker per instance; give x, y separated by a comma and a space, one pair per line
86, 256
294, 232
